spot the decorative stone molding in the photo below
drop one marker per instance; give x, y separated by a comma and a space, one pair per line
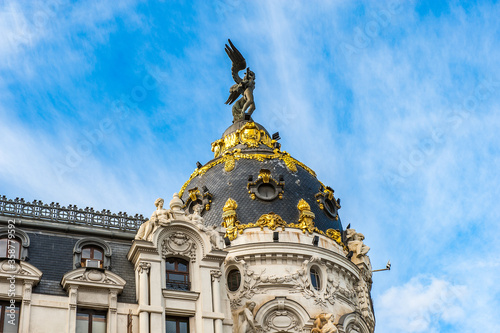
216, 274
21, 271
89, 241
353, 323
144, 266
20, 235
338, 283
179, 244
92, 278
282, 315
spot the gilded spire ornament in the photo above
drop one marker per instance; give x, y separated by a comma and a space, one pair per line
230, 220
306, 218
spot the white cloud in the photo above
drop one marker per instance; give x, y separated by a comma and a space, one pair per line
421, 305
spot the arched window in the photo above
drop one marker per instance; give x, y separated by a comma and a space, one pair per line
92, 252
14, 245
92, 256
177, 274
315, 278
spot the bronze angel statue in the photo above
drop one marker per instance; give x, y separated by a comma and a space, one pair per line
243, 86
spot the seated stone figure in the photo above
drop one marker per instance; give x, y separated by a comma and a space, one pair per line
355, 243
159, 217
246, 323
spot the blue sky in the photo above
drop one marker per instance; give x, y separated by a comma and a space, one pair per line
394, 104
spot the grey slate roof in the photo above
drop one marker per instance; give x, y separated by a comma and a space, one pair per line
233, 184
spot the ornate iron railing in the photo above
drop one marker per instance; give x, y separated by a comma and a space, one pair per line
72, 214
178, 285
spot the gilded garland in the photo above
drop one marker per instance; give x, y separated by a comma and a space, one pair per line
274, 221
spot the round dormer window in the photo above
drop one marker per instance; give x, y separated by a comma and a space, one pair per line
266, 191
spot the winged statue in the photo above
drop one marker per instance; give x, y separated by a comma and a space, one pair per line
243, 87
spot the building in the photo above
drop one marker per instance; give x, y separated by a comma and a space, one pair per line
252, 242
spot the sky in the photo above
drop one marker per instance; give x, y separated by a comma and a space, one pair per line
109, 104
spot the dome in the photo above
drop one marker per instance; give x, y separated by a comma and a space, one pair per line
259, 182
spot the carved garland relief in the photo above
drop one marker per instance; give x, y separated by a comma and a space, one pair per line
339, 283
179, 244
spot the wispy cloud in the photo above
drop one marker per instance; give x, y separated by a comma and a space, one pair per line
403, 127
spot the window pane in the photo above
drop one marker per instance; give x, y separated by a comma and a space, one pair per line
11, 325
176, 277
82, 323
86, 253
171, 326
3, 248
184, 327
170, 266
97, 254
182, 267
98, 324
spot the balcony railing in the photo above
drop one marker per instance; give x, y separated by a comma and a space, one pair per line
72, 214
178, 285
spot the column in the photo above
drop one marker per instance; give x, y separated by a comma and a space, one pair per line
157, 319
143, 296
24, 321
216, 274
112, 316
73, 299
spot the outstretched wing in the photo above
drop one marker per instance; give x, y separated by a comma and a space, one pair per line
234, 93
239, 63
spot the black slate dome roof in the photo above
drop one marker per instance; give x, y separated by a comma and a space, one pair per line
245, 151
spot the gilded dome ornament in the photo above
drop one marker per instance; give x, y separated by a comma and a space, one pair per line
230, 220
306, 219
265, 187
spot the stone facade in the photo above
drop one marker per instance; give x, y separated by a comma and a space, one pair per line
252, 243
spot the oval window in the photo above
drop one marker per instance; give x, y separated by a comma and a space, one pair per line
233, 280
315, 279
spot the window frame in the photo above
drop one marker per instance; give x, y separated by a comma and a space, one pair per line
316, 273
92, 241
21, 237
176, 285
178, 320
92, 249
229, 279
4, 304
91, 313
8, 243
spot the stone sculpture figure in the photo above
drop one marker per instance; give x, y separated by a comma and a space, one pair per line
324, 324
160, 216
355, 243
243, 86
246, 322
196, 216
